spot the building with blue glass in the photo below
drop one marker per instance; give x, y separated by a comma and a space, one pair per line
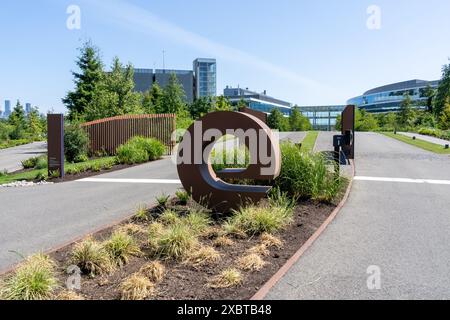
257, 101
388, 98
197, 83
322, 117
205, 71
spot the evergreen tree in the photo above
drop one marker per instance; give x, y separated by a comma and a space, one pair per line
156, 94
86, 81
174, 97
242, 104
115, 95
201, 107
443, 91
17, 120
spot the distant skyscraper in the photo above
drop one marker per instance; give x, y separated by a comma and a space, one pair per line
7, 108
27, 108
205, 71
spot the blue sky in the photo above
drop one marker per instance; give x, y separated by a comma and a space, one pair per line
306, 52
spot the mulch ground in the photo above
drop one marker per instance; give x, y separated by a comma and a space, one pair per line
185, 282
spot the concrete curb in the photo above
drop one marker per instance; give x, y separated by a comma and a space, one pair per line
262, 293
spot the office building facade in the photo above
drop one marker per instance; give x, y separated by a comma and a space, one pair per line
257, 101
197, 83
388, 98
205, 71
322, 117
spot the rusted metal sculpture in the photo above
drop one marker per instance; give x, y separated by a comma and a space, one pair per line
197, 174
55, 144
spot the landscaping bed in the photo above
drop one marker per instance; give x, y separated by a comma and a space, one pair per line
187, 282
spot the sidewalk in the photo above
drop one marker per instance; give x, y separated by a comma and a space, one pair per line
425, 138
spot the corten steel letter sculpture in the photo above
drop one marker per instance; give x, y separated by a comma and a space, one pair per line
197, 174
348, 131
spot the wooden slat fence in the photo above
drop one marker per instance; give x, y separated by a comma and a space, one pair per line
106, 135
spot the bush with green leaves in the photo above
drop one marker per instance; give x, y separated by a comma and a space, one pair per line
35, 163
76, 142
34, 279
140, 150
306, 175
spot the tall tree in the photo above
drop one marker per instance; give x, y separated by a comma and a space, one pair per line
86, 80
222, 104
278, 121
406, 113
444, 120
443, 91
298, 122
115, 95
34, 123
429, 93
17, 120
200, 107
156, 94
174, 97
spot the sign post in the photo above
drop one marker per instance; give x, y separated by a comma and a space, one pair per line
55, 144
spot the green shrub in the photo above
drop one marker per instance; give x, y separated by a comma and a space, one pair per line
237, 157
198, 221
162, 200
255, 220
169, 217
121, 246
183, 196
41, 163
41, 176
139, 150
305, 175
76, 142
176, 242
34, 279
29, 163
81, 158
91, 257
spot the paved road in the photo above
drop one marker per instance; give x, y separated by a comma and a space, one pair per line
10, 159
42, 217
401, 228
426, 138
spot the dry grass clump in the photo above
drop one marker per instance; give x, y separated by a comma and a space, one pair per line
132, 229
136, 287
270, 240
212, 232
121, 247
223, 241
226, 279
251, 262
201, 256
154, 271
155, 230
91, 257
69, 295
231, 228
34, 279
260, 249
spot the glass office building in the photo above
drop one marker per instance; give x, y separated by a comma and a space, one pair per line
322, 117
257, 101
389, 98
205, 71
